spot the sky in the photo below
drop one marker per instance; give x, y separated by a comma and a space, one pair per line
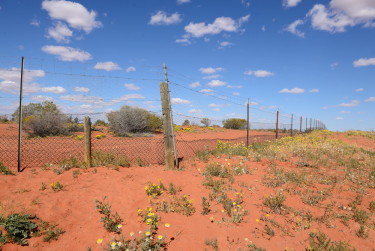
314, 59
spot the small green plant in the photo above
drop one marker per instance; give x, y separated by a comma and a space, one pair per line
76, 173
361, 232
213, 243
100, 136
269, 231
154, 190
216, 170
43, 186
203, 155
254, 247
205, 206
68, 164
20, 227
320, 241
52, 233
4, 170
372, 206
275, 203
172, 189
56, 186
100, 158
111, 222
150, 218
360, 216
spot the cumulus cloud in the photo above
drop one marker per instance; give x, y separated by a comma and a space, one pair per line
132, 87
350, 104
293, 91
180, 101
65, 53
290, 3
221, 24
292, 28
81, 89
359, 90
183, 1
225, 44
364, 62
127, 97
215, 83
345, 112
206, 90
60, 32
40, 98
210, 70
13, 74
130, 69
196, 111
54, 89
162, 18
342, 14
339, 118
212, 76
370, 99
74, 14
107, 66
314, 90
195, 84
259, 73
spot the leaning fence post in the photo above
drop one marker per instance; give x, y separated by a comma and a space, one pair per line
167, 125
277, 124
87, 132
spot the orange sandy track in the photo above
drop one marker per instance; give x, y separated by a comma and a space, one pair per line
39, 151
73, 208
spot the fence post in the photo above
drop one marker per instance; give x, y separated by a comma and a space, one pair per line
167, 125
310, 123
300, 124
87, 135
20, 119
248, 123
277, 124
291, 126
306, 125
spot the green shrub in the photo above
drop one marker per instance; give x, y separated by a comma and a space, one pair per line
5, 170
100, 122
20, 227
234, 123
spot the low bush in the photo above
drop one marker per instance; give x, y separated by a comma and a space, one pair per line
234, 123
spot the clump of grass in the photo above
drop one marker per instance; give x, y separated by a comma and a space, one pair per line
204, 155
372, 206
275, 202
76, 173
67, 164
269, 231
181, 205
362, 232
111, 221
107, 159
212, 243
205, 206
4, 170
172, 189
360, 216
216, 170
320, 241
155, 190
231, 149
43, 187
367, 134
215, 185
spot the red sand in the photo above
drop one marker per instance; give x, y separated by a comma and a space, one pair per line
73, 208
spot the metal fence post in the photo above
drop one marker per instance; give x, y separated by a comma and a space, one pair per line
300, 124
247, 127
291, 126
20, 119
87, 133
277, 124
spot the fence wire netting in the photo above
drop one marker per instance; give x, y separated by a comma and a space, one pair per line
199, 114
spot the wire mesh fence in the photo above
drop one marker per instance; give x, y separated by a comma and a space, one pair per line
57, 95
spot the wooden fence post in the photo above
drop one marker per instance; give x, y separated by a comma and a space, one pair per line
291, 126
87, 135
167, 125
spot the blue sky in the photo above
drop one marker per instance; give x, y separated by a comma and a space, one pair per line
314, 59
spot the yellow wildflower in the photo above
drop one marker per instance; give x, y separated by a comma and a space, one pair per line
131, 233
119, 226
167, 225
148, 233
160, 237
257, 220
99, 241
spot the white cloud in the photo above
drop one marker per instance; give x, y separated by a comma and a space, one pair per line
127, 97
35, 22
195, 84
259, 73
359, 90
215, 105
246, 3
345, 112
235, 86
60, 32
185, 41
14, 74
292, 28
216, 109
215, 83
351, 104
236, 93
341, 14
180, 101
83, 99
65, 53
41, 98
54, 89
161, 18
132, 87
196, 111
130, 69
364, 62
290, 3
183, 1
210, 70
293, 91
225, 44
206, 90
334, 65
314, 90
221, 24
212, 76
75, 14
81, 89
370, 99
339, 118
107, 66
